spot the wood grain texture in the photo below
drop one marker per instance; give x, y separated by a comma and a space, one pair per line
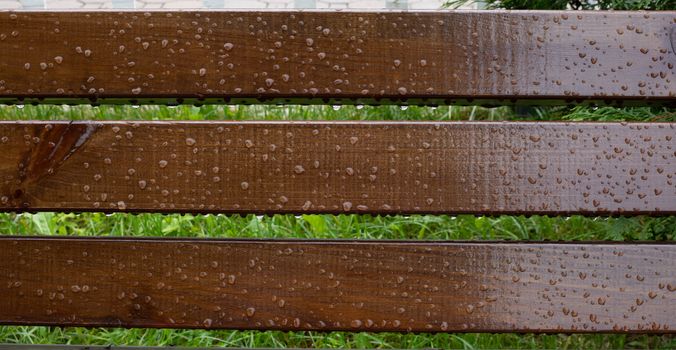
339, 167
338, 285
337, 57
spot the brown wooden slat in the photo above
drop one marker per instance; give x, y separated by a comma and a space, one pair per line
338, 285
324, 56
339, 167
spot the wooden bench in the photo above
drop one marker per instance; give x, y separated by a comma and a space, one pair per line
379, 168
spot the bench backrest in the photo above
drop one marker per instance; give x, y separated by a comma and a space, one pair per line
380, 168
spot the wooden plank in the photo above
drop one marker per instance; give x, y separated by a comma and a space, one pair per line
337, 57
338, 285
339, 167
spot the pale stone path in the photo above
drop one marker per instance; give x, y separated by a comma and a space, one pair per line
10, 4
227, 4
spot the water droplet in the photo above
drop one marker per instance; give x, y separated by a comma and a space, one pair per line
469, 308
250, 311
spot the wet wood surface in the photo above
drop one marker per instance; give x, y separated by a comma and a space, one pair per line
338, 285
339, 167
337, 57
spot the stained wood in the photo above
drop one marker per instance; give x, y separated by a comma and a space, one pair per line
337, 57
338, 285
339, 167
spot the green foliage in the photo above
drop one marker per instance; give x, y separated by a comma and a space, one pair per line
569, 4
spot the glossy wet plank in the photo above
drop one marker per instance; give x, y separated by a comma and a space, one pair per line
339, 167
337, 57
338, 285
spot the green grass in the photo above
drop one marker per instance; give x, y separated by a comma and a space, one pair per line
423, 227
